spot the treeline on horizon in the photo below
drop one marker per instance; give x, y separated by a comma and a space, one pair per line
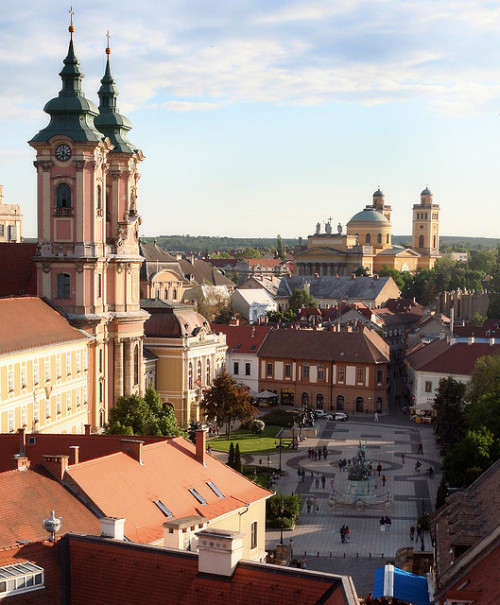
206, 243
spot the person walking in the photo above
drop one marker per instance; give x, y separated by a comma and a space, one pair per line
382, 524
376, 417
383, 480
309, 504
323, 481
347, 535
379, 469
412, 532
315, 504
388, 523
403, 457
419, 531
342, 534
316, 482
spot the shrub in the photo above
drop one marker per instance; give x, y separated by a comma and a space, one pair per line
257, 426
291, 510
278, 418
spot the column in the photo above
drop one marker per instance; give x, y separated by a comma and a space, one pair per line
128, 383
118, 368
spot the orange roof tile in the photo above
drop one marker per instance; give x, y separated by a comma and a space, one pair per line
28, 322
242, 339
122, 487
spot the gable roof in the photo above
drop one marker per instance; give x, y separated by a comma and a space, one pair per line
359, 346
255, 296
342, 287
18, 269
27, 499
243, 339
203, 273
28, 323
120, 486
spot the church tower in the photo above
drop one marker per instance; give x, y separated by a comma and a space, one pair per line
88, 257
425, 230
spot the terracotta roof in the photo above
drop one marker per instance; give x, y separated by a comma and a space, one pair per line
27, 499
361, 346
45, 554
18, 269
28, 322
489, 329
204, 273
243, 339
155, 575
444, 357
342, 287
170, 321
122, 487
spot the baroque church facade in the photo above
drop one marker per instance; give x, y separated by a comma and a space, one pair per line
367, 242
87, 257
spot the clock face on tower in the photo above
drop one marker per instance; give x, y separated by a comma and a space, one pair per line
63, 152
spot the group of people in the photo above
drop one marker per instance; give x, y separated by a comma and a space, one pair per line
312, 503
385, 524
412, 532
316, 453
344, 534
343, 464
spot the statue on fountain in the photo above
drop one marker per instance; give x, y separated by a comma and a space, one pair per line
360, 469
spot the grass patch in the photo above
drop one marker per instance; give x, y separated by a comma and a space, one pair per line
249, 443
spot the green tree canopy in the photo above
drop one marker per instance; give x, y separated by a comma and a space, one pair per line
301, 297
485, 379
494, 289
136, 415
225, 401
449, 405
280, 252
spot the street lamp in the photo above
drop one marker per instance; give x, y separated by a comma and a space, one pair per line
282, 510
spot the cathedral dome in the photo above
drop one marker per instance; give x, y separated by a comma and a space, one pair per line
369, 215
378, 193
426, 191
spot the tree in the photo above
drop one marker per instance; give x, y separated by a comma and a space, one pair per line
485, 378
301, 298
396, 275
225, 401
494, 289
238, 466
136, 415
280, 252
230, 457
477, 319
279, 316
449, 406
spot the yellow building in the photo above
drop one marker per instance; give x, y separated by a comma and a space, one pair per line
189, 355
367, 242
11, 221
44, 377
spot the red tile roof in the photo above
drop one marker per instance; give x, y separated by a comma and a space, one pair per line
27, 497
122, 487
125, 573
242, 339
18, 269
28, 322
444, 357
361, 346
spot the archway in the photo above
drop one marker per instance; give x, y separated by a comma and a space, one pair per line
360, 404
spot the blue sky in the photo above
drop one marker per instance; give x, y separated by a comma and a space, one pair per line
258, 117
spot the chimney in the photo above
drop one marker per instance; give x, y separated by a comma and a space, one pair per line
22, 441
87, 428
253, 331
20, 463
133, 447
470, 340
74, 454
492, 342
56, 465
112, 527
201, 445
219, 551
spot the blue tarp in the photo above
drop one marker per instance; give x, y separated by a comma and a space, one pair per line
391, 581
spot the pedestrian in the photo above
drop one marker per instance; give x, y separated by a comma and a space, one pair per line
309, 504
312, 474
303, 563
299, 473
340, 465
412, 532
382, 524
315, 503
331, 483
379, 469
403, 457
420, 449
418, 464
376, 417
388, 523
291, 547
344, 464
316, 482
209, 449
346, 534
303, 475
342, 534
419, 531
325, 452
383, 480
323, 481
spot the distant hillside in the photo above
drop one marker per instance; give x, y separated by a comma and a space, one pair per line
205, 243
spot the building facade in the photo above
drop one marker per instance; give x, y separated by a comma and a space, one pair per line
11, 221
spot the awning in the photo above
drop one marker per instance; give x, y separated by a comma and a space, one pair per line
392, 582
265, 395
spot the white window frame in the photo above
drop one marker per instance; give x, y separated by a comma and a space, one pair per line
58, 405
68, 364
35, 373
47, 370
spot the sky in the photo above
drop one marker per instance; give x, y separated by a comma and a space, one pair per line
264, 117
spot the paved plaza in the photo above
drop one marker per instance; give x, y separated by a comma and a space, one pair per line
409, 492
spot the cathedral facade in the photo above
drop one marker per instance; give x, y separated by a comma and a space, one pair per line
87, 257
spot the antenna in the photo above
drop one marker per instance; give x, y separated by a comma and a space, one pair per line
52, 525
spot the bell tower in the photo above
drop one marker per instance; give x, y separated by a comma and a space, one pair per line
87, 258
425, 229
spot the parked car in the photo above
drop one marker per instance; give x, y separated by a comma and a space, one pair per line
320, 414
339, 416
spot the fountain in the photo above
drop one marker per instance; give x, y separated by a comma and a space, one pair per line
360, 483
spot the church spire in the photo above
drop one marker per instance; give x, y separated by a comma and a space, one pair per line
70, 113
109, 121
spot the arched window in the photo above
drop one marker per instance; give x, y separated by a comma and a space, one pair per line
198, 373
99, 197
340, 403
368, 238
320, 401
378, 404
136, 364
433, 241
209, 375
63, 196
420, 241
190, 375
63, 285
379, 238
387, 239
305, 399
360, 404
174, 294
321, 372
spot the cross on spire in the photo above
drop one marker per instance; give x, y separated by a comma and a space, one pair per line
71, 28
108, 49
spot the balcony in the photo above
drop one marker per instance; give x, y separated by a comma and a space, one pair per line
63, 211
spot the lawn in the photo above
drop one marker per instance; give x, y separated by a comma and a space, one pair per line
264, 443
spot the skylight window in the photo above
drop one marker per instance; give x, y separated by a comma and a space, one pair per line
253, 347
21, 577
215, 489
163, 509
237, 346
198, 496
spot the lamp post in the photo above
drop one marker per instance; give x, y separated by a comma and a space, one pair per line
282, 510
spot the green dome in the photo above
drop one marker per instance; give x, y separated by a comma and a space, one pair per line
368, 215
426, 191
378, 193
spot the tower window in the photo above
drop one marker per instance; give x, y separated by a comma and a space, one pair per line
99, 197
63, 285
99, 285
63, 196
136, 364
420, 241
379, 238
